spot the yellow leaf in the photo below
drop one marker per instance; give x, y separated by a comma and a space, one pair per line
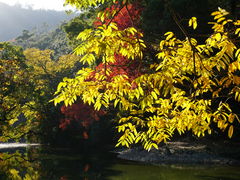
116, 102
218, 36
190, 22
138, 139
154, 95
102, 17
237, 31
230, 131
155, 146
193, 22
140, 90
14, 173
169, 35
221, 19
218, 16
195, 25
231, 118
27, 177
237, 53
215, 13
12, 121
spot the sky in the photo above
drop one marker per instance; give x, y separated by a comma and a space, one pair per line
38, 4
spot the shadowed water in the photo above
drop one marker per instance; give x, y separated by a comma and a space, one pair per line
63, 164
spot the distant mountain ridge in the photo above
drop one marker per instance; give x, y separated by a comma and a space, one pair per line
55, 40
15, 19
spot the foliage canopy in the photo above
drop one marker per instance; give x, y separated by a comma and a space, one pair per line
28, 80
191, 86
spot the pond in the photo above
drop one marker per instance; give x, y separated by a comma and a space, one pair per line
63, 164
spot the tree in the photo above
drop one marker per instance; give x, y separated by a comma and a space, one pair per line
44, 74
79, 116
14, 95
19, 166
190, 87
28, 80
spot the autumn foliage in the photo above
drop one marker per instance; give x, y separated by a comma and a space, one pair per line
121, 66
83, 114
190, 86
125, 15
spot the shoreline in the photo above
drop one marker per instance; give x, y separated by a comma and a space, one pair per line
185, 153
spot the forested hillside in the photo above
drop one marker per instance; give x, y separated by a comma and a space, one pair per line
15, 19
62, 39
55, 39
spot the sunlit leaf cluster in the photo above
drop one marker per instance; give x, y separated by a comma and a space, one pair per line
106, 41
190, 88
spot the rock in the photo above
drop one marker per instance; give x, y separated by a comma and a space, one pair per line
181, 153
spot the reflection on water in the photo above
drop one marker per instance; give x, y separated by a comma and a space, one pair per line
47, 164
15, 145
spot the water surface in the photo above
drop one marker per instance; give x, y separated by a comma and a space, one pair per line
64, 164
